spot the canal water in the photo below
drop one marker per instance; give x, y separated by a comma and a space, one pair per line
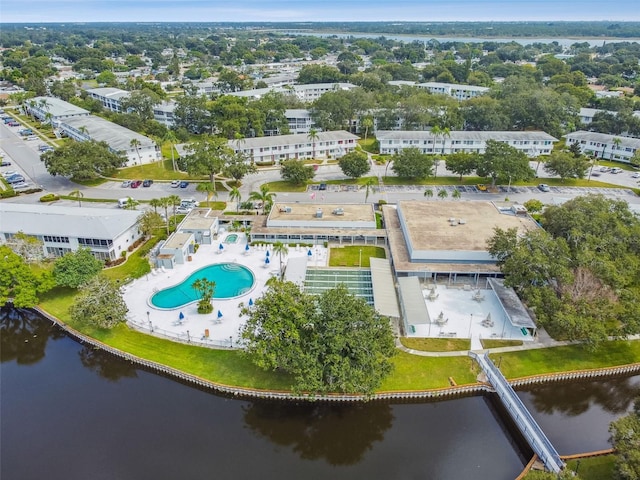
70, 412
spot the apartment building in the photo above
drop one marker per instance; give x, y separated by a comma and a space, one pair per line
601, 145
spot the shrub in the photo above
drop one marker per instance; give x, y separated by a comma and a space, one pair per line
49, 197
205, 306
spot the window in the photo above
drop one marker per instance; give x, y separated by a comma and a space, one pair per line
55, 239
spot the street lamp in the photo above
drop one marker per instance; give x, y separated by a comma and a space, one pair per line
470, 325
149, 321
360, 262
230, 342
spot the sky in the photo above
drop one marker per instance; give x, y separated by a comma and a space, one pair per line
41, 11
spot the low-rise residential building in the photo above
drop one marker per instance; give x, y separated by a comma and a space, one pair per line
299, 120
137, 148
276, 149
107, 232
306, 93
601, 145
52, 109
109, 97
531, 143
457, 91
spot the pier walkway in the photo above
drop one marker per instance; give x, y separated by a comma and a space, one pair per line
523, 419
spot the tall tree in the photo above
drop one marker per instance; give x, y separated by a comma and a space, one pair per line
18, 282
150, 222
313, 138
264, 195
207, 156
76, 268
209, 190
205, 288
462, 163
566, 165
411, 163
99, 303
334, 342
625, 437
235, 195
280, 249
82, 160
296, 172
503, 162
237, 165
354, 164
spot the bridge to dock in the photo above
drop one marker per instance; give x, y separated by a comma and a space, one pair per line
521, 416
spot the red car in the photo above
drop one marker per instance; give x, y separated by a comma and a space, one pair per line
136, 183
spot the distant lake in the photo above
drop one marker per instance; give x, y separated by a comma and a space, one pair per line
565, 42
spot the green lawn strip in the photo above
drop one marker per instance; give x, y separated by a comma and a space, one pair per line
90, 200
350, 256
348, 181
487, 343
369, 145
282, 186
94, 182
436, 344
594, 468
214, 205
567, 358
379, 220
412, 372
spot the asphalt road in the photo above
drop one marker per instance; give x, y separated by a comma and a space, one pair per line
25, 158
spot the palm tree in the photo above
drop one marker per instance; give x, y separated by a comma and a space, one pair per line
281, 249
171, 138
78, 195
456, 194
442, 194
135, 143
616, 143
428, 192
367, 123
235, 194
436, 131
131, 204
174, 201
209, 189
313, 136
369, 182
155, 203
264, 195
165, 203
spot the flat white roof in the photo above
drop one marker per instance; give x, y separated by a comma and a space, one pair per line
385, 299
101, 130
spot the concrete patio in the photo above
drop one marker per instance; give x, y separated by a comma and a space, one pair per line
224, 331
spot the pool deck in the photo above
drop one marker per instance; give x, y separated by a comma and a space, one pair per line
223, 332
466, 317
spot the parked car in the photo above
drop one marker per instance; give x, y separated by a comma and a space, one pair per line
25, 131
126, 184
15, 179
604, 169
175, 184
616, 170
7, 164
13, 123
323, 186
20, 185
147, 183
482, 187
543, 187
31, 137
45, 148
136, 183
9, 173
635, 175
184, 184
183, 210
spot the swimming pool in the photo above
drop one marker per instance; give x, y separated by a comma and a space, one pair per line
232, 238
232, 280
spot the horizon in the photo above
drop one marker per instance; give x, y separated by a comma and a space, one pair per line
290, 11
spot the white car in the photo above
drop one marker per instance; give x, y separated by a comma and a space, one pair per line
635, 175
183, 210
616, 170
175, 184
126, 184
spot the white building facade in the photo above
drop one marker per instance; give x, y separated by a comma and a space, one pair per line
601, 145
300, 146
531, 143
107, 232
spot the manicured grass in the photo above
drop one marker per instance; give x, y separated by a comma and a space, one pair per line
594, 468
369, 145
379, 220
349, 181
282, 186
91, 200
136, 265
436, 344
562, 359
162, 170
350, 256
94, 182
421, 373
487, 343
214, 205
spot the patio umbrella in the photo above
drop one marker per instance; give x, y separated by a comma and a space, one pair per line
251, 302
221, 247
181, 316
268, 253
309, 253
266, 260
246, 248
219, 314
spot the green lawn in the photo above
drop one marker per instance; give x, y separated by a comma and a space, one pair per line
349, 181
136, 266
350, 256
421, 373
369, 145
488, 343
594, 468
282, 186
156, 171
562, 359
436, 344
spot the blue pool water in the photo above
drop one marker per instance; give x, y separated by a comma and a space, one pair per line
231, 280
233, 238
